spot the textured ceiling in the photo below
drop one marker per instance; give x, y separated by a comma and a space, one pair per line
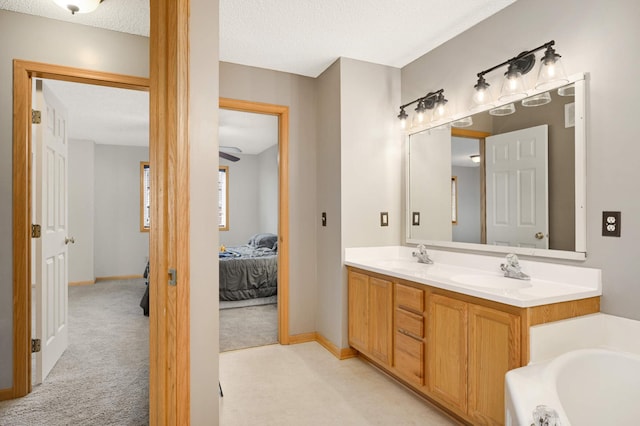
303, 36
296, 36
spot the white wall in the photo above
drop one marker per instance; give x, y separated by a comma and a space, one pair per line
37, 39
120, 247
81, 210
594, 38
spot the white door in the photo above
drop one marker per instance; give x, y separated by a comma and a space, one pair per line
516, 167
50, 209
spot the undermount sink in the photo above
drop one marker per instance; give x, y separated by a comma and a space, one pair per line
490, 281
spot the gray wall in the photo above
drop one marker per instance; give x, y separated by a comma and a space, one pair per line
253, 196
44, 40
268, 190
120, 248
468, 227
597, 41
81, 210
299, 94
328, 190
243, 200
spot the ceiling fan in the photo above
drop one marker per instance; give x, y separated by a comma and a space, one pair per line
224, 153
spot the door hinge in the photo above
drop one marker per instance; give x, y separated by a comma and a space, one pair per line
35, 231
35, 345
36, 116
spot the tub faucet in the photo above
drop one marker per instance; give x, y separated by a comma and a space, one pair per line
512, 268
422, 255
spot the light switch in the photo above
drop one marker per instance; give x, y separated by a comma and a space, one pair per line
384, 219
415, 218
610, 224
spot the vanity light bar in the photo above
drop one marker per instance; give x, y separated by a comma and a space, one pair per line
432, 100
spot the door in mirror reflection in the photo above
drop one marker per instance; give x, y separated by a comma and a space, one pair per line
516, 170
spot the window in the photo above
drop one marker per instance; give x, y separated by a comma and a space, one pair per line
223, 198
145, 197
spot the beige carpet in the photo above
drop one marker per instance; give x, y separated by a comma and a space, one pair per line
248, 327
103, 376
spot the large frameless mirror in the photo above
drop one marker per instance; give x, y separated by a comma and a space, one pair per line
519, 174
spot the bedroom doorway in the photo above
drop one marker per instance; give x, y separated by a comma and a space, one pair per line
24, 74
254, 238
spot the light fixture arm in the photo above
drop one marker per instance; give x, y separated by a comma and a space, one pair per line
430, 97
517, 59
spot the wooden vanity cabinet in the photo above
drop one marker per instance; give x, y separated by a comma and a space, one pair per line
471, 348
448, 350
409, 334
371, 316
452, 348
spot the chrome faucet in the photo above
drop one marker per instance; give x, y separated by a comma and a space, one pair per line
422, 255
512, 268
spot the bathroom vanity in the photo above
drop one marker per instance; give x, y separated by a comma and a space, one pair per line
451, 330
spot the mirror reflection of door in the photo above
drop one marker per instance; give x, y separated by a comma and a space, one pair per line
516, 170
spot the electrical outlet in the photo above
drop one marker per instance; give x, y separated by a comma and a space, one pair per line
384, 219
610, 224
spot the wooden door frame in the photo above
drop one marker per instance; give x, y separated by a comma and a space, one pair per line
481, 136
282, 112
23, 74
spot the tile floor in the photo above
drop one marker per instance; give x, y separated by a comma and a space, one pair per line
306, 385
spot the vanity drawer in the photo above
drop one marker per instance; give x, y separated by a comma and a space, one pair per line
409, 323
410, 298
408, 356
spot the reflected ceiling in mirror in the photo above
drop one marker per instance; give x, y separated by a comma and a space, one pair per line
525, 194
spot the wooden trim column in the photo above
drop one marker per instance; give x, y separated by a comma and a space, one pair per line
169, 340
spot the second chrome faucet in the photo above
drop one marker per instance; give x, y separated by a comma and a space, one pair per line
422, 255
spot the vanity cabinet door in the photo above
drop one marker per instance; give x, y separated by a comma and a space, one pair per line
359, 311
371, 316
381, 319
447, 351
494, 349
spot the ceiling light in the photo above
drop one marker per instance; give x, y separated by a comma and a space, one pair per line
78, 6
475, 158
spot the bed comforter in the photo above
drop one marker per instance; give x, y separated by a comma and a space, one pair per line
247, 272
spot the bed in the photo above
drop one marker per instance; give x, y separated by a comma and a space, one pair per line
251, 270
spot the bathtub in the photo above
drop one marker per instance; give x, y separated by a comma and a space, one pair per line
585, 386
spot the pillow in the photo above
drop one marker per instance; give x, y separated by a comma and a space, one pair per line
263, 240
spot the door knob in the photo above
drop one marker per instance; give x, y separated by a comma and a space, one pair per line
539, 235
69, 240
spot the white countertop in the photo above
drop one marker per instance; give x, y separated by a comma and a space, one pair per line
550, 283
